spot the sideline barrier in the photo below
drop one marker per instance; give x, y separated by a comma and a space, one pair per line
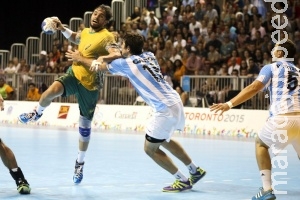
199, 121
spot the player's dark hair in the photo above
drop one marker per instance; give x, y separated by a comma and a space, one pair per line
135, 42
107, 9
290, 46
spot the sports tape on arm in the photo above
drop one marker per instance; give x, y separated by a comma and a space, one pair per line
67, 33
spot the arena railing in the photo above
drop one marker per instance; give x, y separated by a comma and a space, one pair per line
117, 90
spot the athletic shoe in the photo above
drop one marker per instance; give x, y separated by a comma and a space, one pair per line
29, 117
178, 186
23, 186
264, 195
78, 174
200, 173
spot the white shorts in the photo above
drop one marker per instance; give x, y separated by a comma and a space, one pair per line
281, 130
163, 123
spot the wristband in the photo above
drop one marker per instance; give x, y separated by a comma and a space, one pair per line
67, 33
229, 104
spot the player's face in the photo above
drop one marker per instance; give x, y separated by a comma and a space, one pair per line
98, 19
277, 52
125, 50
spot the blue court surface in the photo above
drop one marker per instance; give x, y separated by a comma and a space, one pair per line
116, 167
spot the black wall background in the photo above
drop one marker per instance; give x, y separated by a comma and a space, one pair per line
22, 19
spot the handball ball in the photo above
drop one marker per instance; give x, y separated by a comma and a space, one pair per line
49, 26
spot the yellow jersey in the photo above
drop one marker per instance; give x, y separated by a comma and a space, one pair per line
92, 45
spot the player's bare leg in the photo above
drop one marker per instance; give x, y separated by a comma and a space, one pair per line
9, 160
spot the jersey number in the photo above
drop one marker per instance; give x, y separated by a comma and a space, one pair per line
292, 80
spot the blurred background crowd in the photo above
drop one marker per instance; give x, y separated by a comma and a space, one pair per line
220, 45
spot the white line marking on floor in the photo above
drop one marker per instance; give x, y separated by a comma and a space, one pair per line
208, 181
227, 180
246, 179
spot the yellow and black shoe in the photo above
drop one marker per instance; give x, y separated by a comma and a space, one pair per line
23, 187
178, 186
200, 173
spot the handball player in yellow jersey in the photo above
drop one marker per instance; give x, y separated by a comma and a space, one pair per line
80, 80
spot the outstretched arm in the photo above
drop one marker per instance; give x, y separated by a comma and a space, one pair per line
69, 34
114, 53
246, 94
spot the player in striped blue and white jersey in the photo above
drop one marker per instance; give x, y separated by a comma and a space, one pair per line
143, 71
282, 80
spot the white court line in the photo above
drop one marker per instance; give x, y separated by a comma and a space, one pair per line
149, 184
208, 181
285, 178
246, 179
130, 185
226, 180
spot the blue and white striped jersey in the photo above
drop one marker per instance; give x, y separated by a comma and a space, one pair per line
144, 73
282, 79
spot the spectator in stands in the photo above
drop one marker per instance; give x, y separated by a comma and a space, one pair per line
258, 58
169, 51
226, 48
213, 41
233, 66
235, 54
41, 64
175, 55
258, 41
194, 24
210, 13
6, 91
144, 29
184, 96
246, 56
267, 58
179, 40
253, 68
267, 24
152, 18
23, 64
171, 9
257, 27
194, 66
195, 36
10, 68
16, 63
179, 71
33, 93
135, 16
199, 12
57, 43
213, 56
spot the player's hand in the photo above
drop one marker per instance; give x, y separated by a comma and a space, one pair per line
1, 104
219, 107
73, 55
59, 25
96, 64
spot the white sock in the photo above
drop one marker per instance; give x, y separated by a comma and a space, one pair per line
80, 156
265, 176
192, 168
178, 175
40, 109
14, 169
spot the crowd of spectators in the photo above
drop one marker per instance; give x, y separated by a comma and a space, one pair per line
192, 37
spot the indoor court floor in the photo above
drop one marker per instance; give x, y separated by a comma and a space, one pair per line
116, 168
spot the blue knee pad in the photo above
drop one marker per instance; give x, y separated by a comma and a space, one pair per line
84, 129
